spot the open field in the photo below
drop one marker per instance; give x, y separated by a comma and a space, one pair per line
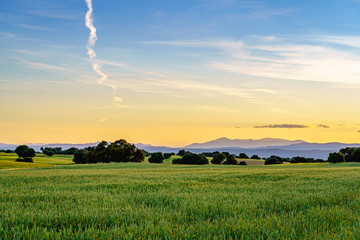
165, 201
7, 161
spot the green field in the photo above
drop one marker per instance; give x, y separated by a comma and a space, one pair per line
7, 161
165, 201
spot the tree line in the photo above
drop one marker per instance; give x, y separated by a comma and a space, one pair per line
122, 151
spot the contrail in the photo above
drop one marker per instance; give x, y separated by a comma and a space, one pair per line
89, 23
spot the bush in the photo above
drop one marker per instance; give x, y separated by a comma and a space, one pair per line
336, 157
230, 160
242, 163
28, 160
167, 155
273, 160
255, 157
192, 158
218, 158
156, 157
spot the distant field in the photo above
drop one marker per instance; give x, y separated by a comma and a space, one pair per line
7, 161
165, 201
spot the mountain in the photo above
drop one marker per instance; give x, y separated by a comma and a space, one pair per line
264, 147
244, 143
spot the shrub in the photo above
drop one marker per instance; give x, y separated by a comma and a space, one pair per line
255, 157
242, 163
28, 160
218, 158
273, 160
167, 155
336, 157
230, 160
156, 157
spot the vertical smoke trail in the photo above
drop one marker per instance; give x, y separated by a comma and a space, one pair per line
89, 23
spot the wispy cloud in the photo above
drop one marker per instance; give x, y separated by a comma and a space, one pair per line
319, 58
33, 27
7, 35
43, 66
102, 120
322, 126
51, 13
282, 126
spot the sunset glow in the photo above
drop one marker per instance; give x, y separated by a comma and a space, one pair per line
177, 72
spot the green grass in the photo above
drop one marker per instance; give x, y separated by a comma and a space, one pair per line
165, 201
8, 161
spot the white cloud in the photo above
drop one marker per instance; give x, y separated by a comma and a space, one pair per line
315, 59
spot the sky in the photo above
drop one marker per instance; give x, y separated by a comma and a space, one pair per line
175, 72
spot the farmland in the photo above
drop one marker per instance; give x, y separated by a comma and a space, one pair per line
165, 201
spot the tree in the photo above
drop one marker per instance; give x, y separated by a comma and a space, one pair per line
70, 151
29, 153
230, 160
101, 154
299, 159
20, 149
47, 151
255, 157
348, 152
167, 155
218, 158
25, 153
156, 157
243, 156
192, 158
118, 151
336, 157
356, 155
226, 153
273, 160
121, 151
181, 152
139, 156
80, 156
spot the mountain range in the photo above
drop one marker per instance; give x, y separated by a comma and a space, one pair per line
263, 147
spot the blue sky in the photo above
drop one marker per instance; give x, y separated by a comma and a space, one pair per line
275, 62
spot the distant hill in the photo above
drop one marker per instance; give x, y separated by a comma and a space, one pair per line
264, 147
244, 143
